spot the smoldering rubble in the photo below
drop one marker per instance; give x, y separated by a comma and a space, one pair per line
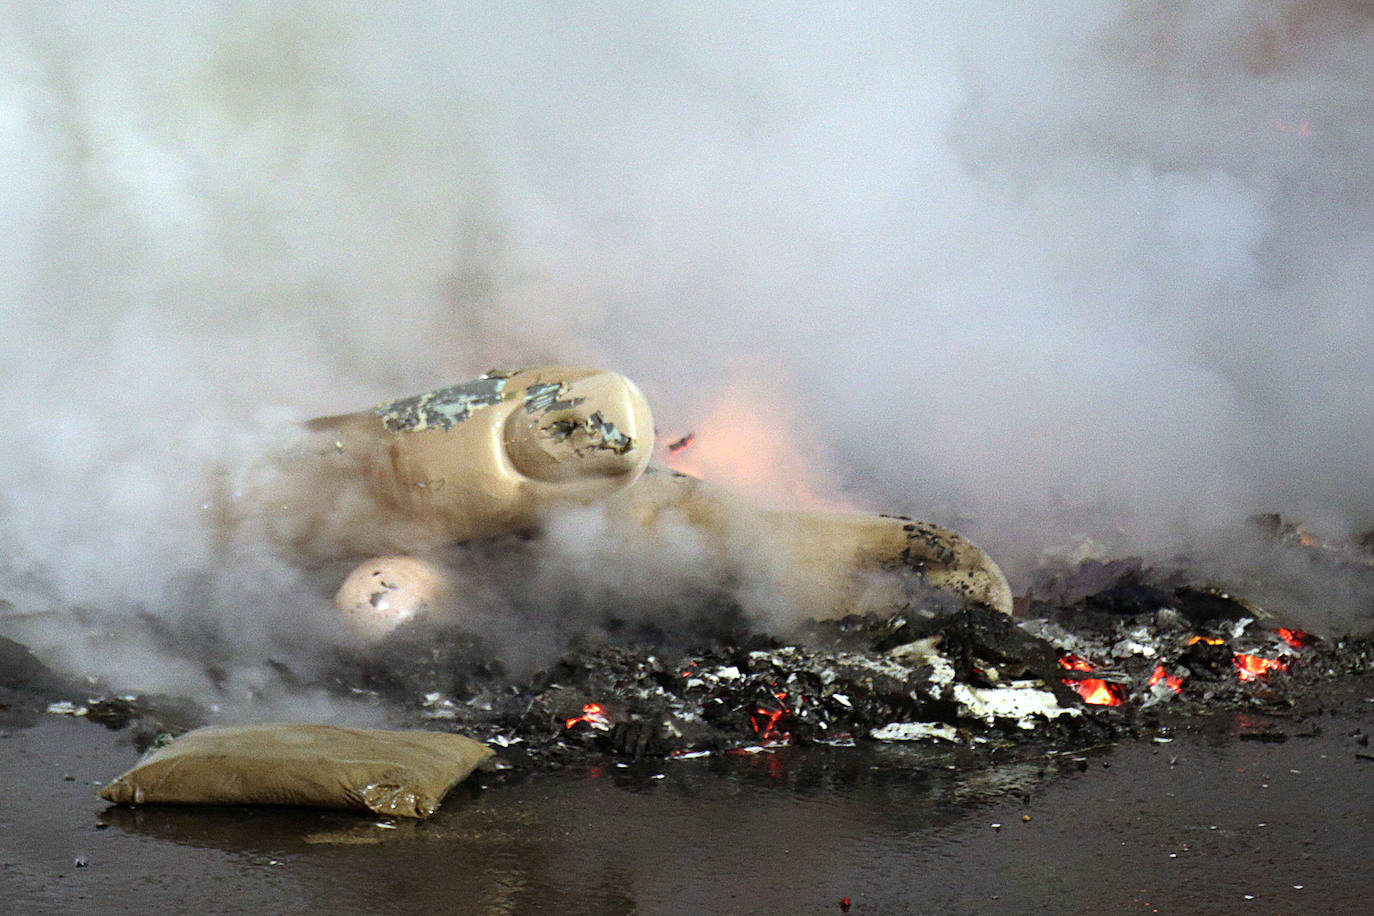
1115, 650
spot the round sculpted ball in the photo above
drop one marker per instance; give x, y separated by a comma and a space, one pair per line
385, 592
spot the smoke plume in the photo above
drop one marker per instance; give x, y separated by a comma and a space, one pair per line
1092, 268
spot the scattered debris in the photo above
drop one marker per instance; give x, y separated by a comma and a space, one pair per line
969, 678
1070, 675
914, 731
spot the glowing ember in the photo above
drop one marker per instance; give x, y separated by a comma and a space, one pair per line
1209, 640
594, 715
1074, 663
1093, 690
1097, 692
1172, 681
1250, 667
765, 721
1296, 638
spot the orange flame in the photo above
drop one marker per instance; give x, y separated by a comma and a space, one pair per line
1298, 639
1209, 640
1097, 692
764, 721
748, 441
1172, 681
1074, 663
1093, 690
593, 714
1250, 667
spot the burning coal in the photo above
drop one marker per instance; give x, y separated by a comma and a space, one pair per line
1172, 681
1094, 691
967, 676
1250, 667
765, 720
593, 714
1137, 652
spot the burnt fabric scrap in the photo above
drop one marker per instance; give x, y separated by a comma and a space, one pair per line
400, 773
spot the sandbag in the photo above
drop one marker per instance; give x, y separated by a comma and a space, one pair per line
402, 773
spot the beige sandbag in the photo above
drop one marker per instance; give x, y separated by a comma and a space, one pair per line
821, 564
476, 459
402, 773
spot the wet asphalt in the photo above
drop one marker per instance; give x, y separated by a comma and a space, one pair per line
1210, 822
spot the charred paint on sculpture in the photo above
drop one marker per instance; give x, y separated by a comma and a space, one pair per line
948, 561
472, 460
441, 409
546, 397
595, 432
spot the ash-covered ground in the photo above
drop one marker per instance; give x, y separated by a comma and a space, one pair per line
1099, 651
1067, 676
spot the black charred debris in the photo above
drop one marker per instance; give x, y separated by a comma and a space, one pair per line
1113, 651
1106, 651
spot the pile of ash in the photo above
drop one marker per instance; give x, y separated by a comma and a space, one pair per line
1111, 663
1098, 651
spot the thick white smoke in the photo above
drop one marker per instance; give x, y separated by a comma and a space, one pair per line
1028, 269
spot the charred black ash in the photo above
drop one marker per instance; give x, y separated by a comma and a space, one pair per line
1118, 647
1099, 651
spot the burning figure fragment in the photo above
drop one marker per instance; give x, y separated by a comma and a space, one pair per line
476, 459
502, 453
820, 564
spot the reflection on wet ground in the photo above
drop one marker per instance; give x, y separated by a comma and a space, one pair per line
1205, 823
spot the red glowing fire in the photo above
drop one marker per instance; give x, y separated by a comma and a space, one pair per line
1172, 681
1074, 663
1250, 667
593, 714
765, 721
1296, 638
1093, 690
1098, 692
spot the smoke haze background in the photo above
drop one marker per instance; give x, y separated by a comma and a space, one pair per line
1030, 270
